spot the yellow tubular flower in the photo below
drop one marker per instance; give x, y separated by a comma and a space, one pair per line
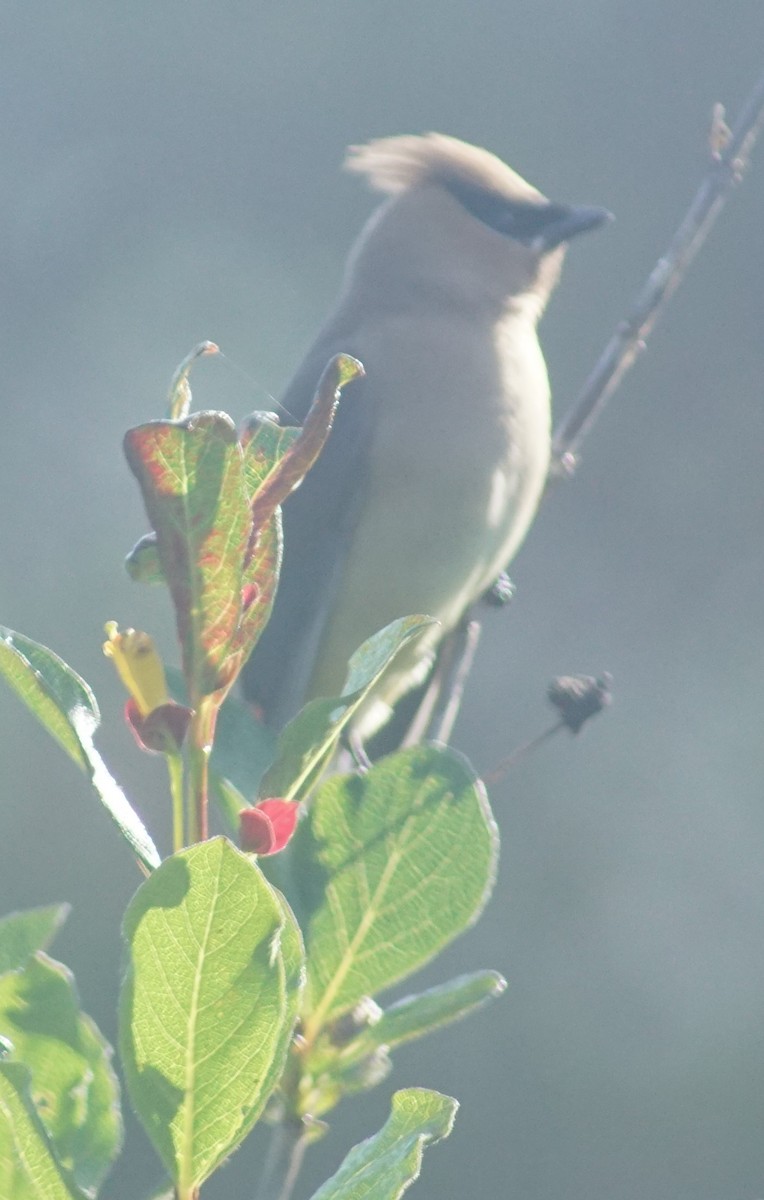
138, 666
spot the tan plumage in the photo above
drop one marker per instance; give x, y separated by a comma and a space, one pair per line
436, 465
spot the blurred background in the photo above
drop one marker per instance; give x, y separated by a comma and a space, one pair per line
171, 173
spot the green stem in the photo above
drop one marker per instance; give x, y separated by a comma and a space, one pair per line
201, 736
183, 1193
192, 814
175, 771
198, 774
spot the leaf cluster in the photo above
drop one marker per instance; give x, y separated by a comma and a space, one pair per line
251, 983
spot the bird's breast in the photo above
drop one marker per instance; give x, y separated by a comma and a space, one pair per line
457, 463
460, 446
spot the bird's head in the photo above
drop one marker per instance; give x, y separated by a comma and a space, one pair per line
460, 224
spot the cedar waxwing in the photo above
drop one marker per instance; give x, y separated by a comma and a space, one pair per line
439, 456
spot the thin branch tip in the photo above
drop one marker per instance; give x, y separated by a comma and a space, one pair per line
729, 150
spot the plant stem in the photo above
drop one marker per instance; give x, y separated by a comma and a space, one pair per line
175, 771
435, 719
500, 770
284, 1159
201, 736
198, 777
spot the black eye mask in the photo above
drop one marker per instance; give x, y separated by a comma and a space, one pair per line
526, 222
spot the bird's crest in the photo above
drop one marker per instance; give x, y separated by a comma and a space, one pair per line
394, 164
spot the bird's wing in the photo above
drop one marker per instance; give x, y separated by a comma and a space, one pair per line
319, 520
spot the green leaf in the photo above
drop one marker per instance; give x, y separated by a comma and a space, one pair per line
229, 802
22, 933
353, 1054
72, 1082
208, 1004
116, 802
309, 740
28, 1166
66, 707
192, 480
243, 747
390, 866
415, 1016
180, 390
49, 688
382, 1167
142, 563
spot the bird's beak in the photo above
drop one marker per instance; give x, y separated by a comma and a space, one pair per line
568, 222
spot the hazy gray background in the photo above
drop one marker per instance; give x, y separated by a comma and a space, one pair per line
171, 174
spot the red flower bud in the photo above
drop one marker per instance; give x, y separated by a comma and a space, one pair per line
266, 828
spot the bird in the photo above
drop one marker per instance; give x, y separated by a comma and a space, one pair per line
439, 455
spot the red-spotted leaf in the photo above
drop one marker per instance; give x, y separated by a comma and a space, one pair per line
276, 458
264, 443
259, 582
303, 452
191, 476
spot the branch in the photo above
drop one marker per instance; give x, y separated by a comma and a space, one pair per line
436, 715
729, 158
729, 149
289, 1139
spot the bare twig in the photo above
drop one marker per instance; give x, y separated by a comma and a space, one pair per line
577, 698
436, 715
283, 1161
729, 151
500, 770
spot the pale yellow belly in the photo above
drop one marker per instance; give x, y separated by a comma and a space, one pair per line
458, 463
